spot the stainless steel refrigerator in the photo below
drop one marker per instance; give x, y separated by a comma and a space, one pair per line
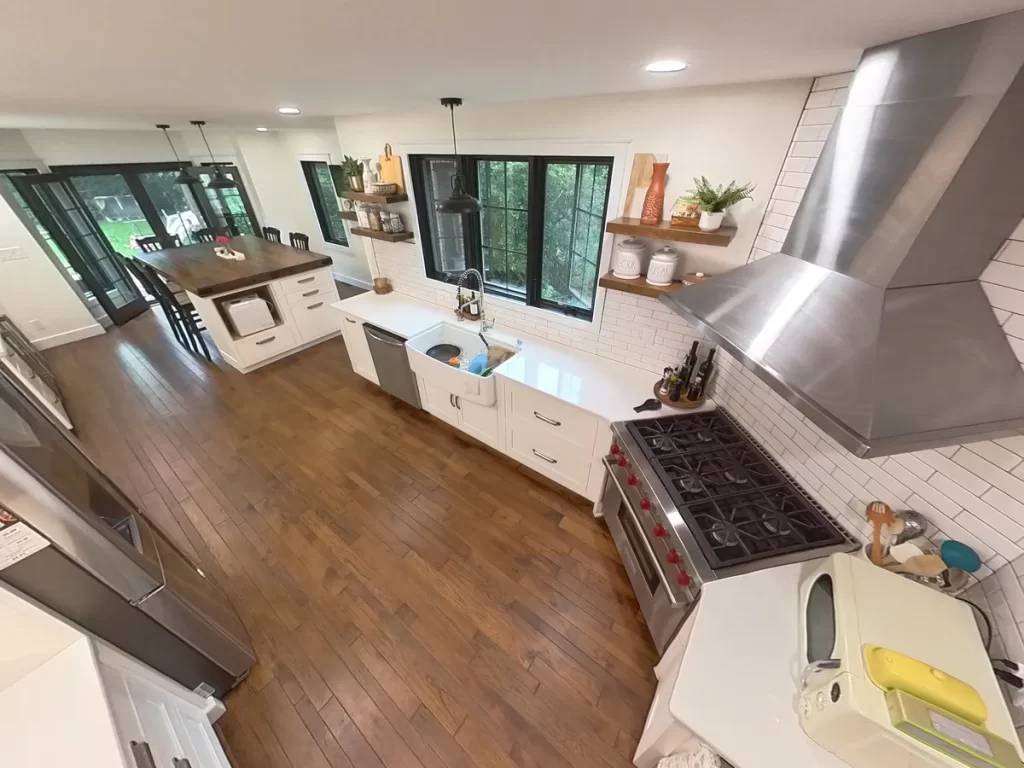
72, 540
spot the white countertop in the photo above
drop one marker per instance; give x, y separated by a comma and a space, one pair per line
602, 387
737, 686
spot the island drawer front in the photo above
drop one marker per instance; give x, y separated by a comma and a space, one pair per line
558, 419
312, 293
315, 318
307, 281
265, 344
564, 462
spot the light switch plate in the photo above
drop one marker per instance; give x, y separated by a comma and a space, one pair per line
12, 253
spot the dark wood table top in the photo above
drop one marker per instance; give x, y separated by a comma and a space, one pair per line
198, 270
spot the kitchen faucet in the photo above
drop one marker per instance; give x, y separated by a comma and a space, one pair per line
484, 325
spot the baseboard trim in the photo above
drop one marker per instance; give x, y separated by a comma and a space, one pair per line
366, 284
69, 336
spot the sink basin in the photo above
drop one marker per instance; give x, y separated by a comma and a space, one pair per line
458, 381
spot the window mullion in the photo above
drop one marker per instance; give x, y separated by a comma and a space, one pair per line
472, 238
535, 230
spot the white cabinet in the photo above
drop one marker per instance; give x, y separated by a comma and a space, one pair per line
437, 401
358, 348
478, 421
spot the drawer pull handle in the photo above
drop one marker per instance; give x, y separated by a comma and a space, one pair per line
314, 292
307, 279
546, 420
314, 306
540, 455
266, 340
350, 320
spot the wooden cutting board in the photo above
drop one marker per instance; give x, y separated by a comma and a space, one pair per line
639, 178
391, 168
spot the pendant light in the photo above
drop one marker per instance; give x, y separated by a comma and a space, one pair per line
184, 177
459, 201
220, 181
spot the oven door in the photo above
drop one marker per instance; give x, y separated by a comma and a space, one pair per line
663, 612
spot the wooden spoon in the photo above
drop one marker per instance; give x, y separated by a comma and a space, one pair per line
878, 513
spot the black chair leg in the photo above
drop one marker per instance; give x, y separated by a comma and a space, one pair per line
195, 335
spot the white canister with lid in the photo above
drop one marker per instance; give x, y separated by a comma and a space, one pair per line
629, 259
662, 269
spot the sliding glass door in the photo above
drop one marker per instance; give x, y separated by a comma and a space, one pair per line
231, 207
178, 206
72, 224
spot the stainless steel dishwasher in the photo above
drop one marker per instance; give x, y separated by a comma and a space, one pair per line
392, 364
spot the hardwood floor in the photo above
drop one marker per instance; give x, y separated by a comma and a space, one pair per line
413, 600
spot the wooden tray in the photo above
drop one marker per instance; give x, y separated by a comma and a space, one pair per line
682, 405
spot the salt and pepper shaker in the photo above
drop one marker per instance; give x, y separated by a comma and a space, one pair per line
666, 382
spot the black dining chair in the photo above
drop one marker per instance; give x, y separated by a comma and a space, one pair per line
179, 309
299, 240
154, 243
273, 234
204, 235
145, 279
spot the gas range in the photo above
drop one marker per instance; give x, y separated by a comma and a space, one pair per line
693, 497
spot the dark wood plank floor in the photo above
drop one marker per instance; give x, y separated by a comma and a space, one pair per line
413, 600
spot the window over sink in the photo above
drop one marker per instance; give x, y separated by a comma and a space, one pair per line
537, 239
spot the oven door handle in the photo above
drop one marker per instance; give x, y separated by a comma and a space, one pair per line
643, 536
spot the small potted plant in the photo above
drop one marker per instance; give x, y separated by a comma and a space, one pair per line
354, 170
714, 201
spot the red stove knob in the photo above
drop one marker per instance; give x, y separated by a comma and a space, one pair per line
614, 449
622, 461
645, 503
631, 479
659, 530
683, 578
672, 556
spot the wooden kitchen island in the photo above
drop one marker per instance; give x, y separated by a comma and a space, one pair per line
296, 285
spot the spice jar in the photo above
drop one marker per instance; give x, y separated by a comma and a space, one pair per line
375, 220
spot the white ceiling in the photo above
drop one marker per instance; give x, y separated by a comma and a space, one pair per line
96, 62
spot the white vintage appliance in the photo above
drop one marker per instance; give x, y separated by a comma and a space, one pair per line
249, 314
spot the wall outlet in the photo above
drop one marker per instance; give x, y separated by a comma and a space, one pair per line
646, 334
12, 253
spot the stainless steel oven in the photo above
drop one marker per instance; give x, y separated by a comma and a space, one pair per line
665, 589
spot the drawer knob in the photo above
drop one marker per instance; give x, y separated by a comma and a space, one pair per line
645, 503
683, 578
672, 556
631, 479
614, 449
659, 530
622, 461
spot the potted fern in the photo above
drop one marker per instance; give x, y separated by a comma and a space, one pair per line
714, 201
354, 170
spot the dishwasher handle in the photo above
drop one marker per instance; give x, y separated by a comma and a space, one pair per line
383, 336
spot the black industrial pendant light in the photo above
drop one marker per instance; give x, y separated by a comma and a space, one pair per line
459, 201
220, 181
184, 177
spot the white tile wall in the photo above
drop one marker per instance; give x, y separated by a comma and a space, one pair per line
974, 493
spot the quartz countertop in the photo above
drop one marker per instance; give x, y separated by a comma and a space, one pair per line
602, 387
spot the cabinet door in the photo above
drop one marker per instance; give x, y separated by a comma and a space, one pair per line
154, 707
479, 421
438, 402
358, 349
198, 739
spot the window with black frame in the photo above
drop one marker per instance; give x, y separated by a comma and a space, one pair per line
537, 238
325, 201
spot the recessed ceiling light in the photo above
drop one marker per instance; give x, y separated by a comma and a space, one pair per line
666, 65
289, 110
262, 129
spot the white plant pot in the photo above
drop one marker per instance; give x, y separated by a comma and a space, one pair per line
709, 222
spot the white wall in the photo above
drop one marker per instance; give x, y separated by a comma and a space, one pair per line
34, 294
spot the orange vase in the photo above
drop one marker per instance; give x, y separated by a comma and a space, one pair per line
654, 200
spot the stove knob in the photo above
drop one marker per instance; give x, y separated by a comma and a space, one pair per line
631, 479
683, 578
645, 503
622, 461
614, 449
659, 530
672, 556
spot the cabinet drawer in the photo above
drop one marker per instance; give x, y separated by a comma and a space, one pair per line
315, 318
556, 418
565, 462
307, 281
265, 344
313, 293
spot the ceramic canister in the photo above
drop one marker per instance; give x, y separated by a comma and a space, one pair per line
629, 258
662, 268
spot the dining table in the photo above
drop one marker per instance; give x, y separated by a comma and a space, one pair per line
286, 293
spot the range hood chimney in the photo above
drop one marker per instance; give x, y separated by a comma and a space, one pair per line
871, 320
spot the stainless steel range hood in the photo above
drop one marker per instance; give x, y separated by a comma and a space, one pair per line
871, 321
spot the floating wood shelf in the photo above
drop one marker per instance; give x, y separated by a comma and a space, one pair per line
363, 197
348, 215
665, 231
637, 285
391, 237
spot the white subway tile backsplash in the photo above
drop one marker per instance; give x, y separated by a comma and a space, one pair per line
791, 179
1014, 326
999, 543
1018, 233
823, 116
1014, 444
954, 471
819, 99
990, 473
806, 148
1005, 274
829, 82
839, 96
994, 454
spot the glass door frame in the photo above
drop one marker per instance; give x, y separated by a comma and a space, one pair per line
231, 170
42, 200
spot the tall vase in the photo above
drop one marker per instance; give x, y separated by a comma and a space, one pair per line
654, 200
